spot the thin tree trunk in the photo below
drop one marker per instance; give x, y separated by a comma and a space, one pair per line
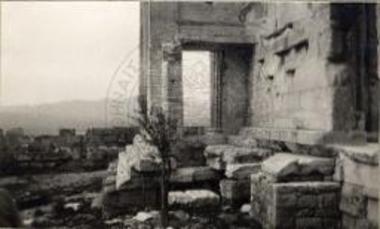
164, 196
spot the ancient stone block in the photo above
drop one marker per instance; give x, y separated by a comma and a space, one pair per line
146, 165
352, 222
218, 156
194, 199
366, 154
122, 201
262, 201
328, 200
353, 200
359, 173
235, 190
287, 200
215, 150
283, 165
311, 187
139, 158
141, 182
309, 222
242, 171
294, 204
216, 163
194, 174
307, 201
373, 212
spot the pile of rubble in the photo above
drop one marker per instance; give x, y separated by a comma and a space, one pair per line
224, 180
237, 160
272, 187
133, 183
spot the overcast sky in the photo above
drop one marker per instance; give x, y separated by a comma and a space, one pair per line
57, 51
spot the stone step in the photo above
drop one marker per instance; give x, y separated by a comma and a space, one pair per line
201, 199
218, 156
201, 177
293, 167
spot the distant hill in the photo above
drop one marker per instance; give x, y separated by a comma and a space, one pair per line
48, 118
80, 114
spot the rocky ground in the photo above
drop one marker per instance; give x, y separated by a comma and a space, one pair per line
83, 216
71, 200
56, 199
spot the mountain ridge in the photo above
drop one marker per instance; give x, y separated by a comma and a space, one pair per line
48, 118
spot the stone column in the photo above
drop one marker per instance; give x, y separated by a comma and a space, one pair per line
172, 91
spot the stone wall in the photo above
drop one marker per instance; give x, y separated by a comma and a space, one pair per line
314, 66
292, 81
294, 205
357, 169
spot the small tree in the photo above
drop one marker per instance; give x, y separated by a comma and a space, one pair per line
161, 131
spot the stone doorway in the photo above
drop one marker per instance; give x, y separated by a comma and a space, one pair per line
233, 67
229, 83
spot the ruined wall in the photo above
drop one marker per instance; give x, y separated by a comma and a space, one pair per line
187, 23
294, 85
308, 71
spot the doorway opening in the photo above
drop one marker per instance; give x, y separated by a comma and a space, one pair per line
196, 73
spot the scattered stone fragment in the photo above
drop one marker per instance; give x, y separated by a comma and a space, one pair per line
73, 206
242, 171
218, 156
180, 215
141, 156
144, 216
113, 221
195, 199
193, 174
245, 208
283, 165
97, 202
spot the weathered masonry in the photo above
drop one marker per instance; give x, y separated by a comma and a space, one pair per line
301, 80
